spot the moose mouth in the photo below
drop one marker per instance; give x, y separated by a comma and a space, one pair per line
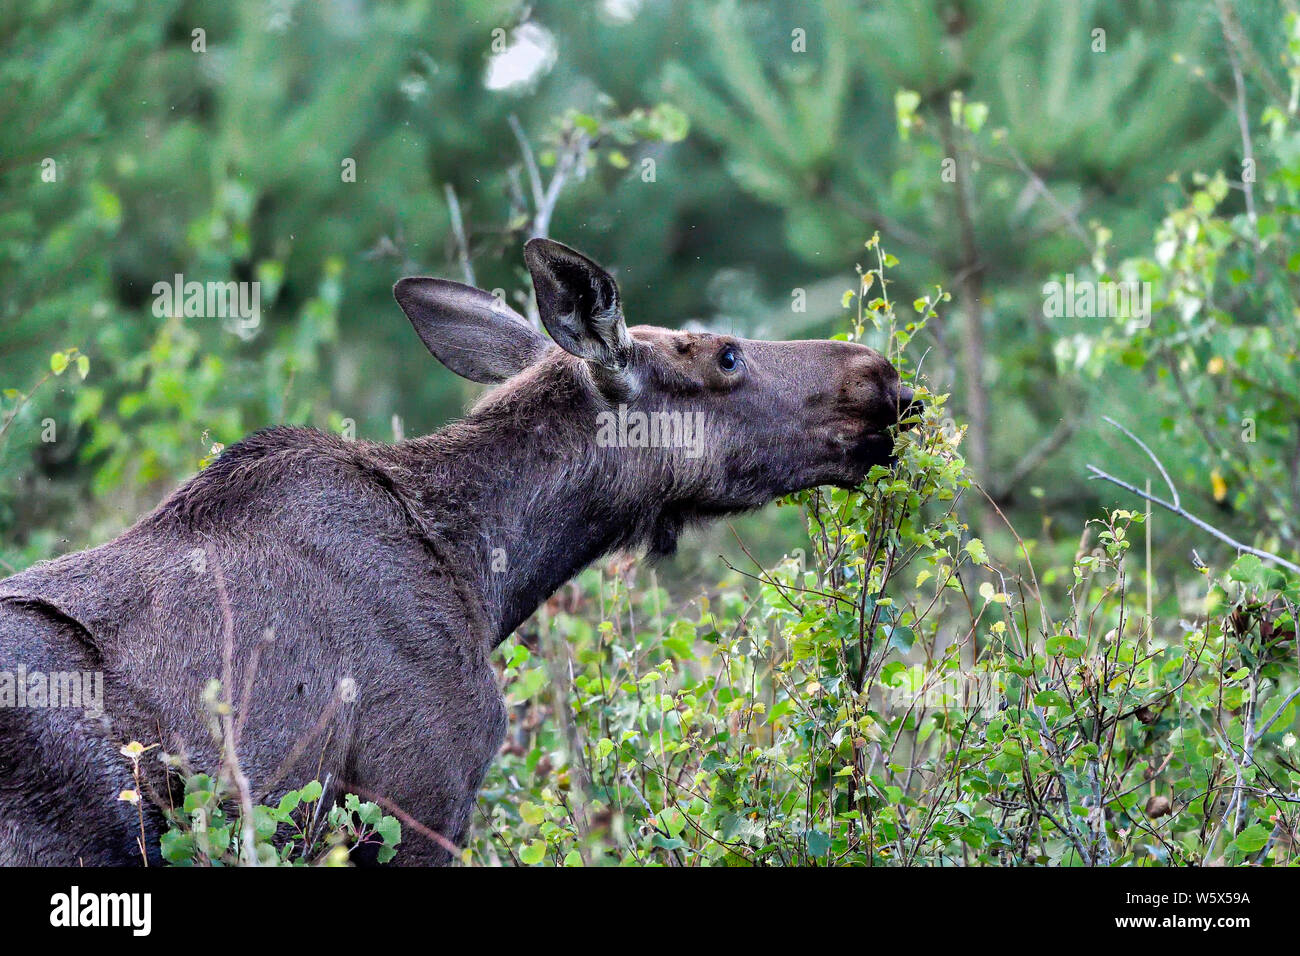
873, 448
876, 446
869, 449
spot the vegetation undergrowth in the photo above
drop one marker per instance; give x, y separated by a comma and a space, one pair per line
895, 695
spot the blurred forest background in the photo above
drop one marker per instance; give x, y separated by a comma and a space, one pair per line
727, 159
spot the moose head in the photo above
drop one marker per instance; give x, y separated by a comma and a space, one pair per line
644, 429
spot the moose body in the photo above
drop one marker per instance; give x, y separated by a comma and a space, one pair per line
350, 594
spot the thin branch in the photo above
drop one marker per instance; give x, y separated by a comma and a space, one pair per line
1203, 525
430, 834
1276, 714
248, 856
303, 743
1069, 217
458, 233
1248, 150
546, 196
1238, 41
564, 168
1173, 492
530, 161
22, 401
1040, 453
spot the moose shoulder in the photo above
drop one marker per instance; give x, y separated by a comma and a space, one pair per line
357, 590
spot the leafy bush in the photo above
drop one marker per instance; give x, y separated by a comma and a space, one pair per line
297, 831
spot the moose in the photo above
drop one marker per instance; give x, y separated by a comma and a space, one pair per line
298, 563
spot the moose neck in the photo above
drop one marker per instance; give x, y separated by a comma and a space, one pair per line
525, 500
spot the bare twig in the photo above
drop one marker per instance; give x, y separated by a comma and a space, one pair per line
546, 196
430, 834
1173, 492
1240, 43
458, 233
1068, 216
287, 764
1240, 109
231, 756
970, 280
1175, 506
13, 415
530, 161
1203, 525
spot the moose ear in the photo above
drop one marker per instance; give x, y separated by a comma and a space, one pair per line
579, 304
470, 331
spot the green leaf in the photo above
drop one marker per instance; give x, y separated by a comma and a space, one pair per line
177, 847
672, 820
666, 843
902, 638
1247, 569
1252, 839
669, 123
311, 792
196, 800
264, 824
1066, 646
1050, 698
370, 813
905, 104
533, 853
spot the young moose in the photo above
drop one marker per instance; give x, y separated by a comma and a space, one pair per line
352, 593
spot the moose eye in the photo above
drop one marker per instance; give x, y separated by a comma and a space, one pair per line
728, 359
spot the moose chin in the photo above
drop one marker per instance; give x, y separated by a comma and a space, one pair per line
299, 563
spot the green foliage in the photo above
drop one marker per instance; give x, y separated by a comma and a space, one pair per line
208, 829
1219, 352
898, 696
